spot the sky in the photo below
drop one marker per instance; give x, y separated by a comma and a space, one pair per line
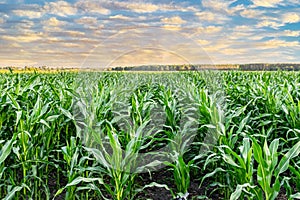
109, 33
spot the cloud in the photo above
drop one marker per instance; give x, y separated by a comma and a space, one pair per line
233, 51
26, 38
148, 56
251, 57
23, 26
269, 23
17, 62
119, 17
50, 40
226, 46
143, 7
256, 37
204, 42
3, 18
244, 33
12, 1
92, 7
275, 43
209, 16
291, 18
221, 5
28, 13
233, 10
69, 45
250, 13
60, 8
239, 35
172, 27
86, 20
216, 47
244, 28
177, 8
173, 20
215, 4
290, 33
73, 33
53, 25
294, 2
209, 29
206, 15
53, 22
63, 36
266, 3
140, 7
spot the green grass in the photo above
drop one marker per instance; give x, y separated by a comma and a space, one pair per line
89, 135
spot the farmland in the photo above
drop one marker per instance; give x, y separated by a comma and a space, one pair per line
112, 135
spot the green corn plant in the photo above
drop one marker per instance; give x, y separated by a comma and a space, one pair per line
238, 168
181, 167
241, 170
294, 169
181, 171
268, 170
115, 150
270, 167
5, 152
70, 154
294, 178
231, 167
212, 118
119, 165
291, 109
181, 109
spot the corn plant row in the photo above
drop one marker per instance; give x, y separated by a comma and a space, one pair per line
94, 135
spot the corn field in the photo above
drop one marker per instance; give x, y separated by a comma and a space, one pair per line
182, 135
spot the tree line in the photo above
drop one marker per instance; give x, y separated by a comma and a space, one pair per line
243, 67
